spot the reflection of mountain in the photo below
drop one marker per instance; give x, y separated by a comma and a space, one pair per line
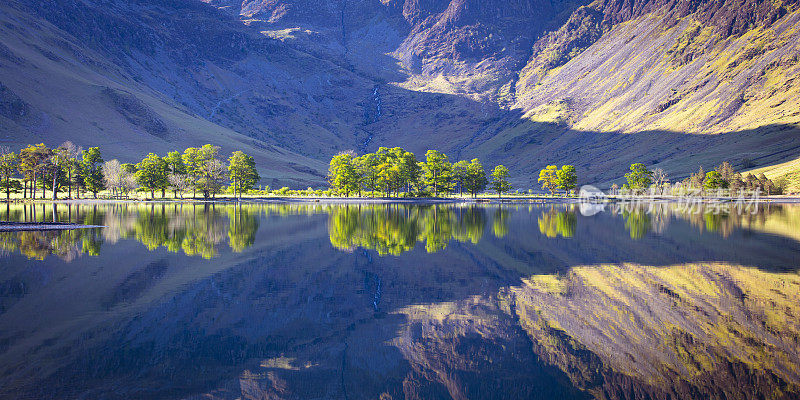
687, 331
523, 316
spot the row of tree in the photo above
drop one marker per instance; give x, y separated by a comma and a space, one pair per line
393, 171
723, 177
69, 167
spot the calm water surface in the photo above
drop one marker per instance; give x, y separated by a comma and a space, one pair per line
271, 301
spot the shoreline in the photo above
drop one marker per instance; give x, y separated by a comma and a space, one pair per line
423, 201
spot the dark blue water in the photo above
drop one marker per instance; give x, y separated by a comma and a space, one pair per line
268, 301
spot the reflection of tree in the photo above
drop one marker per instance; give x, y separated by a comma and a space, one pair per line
193, 230
394, 229
558, 223
500, 223
437, 228
388, 230
637, 222
470, 225
204, 231
719, 223
66, 245
242, 228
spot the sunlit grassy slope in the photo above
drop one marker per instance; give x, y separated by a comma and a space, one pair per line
669, 92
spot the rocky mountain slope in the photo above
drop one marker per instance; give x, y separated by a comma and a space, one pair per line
675, 84
293, 317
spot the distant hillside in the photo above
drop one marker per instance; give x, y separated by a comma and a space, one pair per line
675, 84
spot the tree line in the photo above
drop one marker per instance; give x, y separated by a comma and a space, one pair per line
723, 177
396, 172
77, 171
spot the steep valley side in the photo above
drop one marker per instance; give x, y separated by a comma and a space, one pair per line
600, 85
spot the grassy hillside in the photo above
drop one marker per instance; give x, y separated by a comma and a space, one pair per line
674, 88
52, 90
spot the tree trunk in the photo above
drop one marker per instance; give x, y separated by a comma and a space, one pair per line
33, 188
55, 188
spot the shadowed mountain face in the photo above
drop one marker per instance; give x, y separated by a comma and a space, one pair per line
480, 302
513, 82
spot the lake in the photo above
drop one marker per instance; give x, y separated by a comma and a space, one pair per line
396, 301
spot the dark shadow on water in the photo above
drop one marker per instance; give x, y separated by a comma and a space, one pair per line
317, 301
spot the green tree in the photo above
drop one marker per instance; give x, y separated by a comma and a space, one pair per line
438, 172
567, 178
500, 180
152, 174
9, 162
713, 180
639, 177
342, 174
548, 177
32, 162
129, 168
389, 176
460, 175
56, 167
409, 170
242, 172
175, 164
389, 173
475, 179
91, 170
368, 172
192, 162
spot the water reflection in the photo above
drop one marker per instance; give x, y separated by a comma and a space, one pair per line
474, 302
554, 223
195, 230
388, 229
394, 229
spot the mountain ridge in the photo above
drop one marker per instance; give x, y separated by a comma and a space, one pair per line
297, 81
